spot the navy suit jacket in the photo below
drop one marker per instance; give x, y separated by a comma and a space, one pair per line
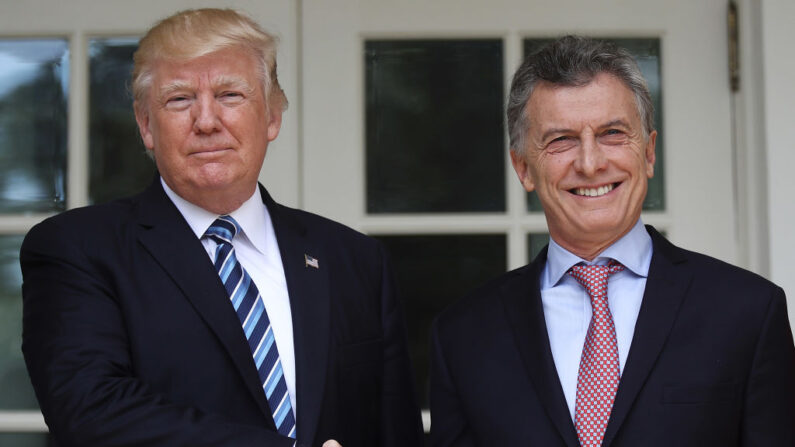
711, 363
130, 339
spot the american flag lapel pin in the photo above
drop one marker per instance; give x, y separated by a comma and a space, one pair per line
309, 261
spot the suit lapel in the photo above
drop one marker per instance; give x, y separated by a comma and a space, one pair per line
666, 287
522, 300
308, 288
168, 238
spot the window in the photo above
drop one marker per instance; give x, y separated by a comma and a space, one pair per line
33, 139
118, 164
434, 126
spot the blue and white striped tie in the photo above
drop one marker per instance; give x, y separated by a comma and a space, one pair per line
252, 315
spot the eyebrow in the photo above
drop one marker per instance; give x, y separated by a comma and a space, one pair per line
172, 87
233, 82
615, 123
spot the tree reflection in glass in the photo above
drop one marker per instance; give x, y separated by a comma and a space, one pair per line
33, 138
118, 165
15, 387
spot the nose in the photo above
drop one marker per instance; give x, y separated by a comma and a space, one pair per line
591, 157
206, 119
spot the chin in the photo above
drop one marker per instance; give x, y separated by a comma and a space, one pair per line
601, 228
216, 175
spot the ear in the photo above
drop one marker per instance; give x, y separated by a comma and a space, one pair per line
522, 169
274, 121
142, 118
650, 153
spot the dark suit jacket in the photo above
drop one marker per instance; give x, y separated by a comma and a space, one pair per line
130, 339
711, 363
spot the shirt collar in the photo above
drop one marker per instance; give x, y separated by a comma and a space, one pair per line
633, 250
252, 216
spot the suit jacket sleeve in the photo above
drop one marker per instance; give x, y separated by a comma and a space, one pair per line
449, 425
769, 412
77, 352
399, 414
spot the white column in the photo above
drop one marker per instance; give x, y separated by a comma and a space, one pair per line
778, 34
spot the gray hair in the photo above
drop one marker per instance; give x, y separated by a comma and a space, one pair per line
573, 61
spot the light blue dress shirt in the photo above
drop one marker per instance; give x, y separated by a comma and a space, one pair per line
567, 307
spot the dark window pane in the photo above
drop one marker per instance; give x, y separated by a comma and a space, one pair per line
434, 271
25, 440
119, 165
434, 126
33, 101
535, 242
647, 53
16, 392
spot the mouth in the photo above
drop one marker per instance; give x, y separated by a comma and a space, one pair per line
209, 151
594, 191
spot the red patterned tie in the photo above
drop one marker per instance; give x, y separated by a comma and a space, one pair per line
597, 380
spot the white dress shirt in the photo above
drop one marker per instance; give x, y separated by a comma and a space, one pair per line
567, 306
258, 252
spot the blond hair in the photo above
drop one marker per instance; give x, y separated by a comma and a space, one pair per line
197, 32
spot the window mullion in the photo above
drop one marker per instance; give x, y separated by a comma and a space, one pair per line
77, 177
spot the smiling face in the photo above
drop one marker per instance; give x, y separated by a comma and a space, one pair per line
587, 157
208, 126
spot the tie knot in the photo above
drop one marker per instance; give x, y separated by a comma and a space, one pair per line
223, 229
594, 277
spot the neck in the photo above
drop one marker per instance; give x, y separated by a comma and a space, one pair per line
221, 202
588, 253
585, 248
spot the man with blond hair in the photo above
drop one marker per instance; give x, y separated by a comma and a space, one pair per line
201, 312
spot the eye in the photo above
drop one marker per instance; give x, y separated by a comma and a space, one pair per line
561, 143
232, 95
613, 136
177, 102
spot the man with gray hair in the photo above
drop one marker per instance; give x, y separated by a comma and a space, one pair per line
201, 312
612, 336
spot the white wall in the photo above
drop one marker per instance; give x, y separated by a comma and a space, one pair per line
778, 37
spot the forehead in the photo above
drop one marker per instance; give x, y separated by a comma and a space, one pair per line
216, 67
604, 99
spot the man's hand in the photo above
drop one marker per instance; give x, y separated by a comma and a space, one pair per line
331, 443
